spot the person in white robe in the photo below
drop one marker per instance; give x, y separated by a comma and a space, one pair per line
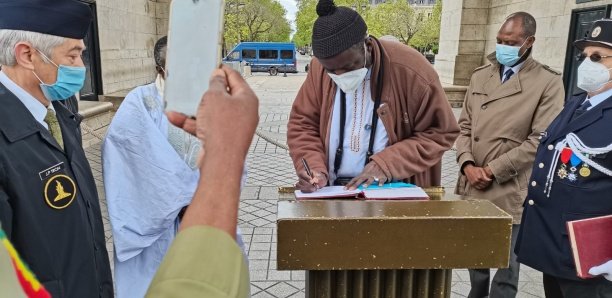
150, 175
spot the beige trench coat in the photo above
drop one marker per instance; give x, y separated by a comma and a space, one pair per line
501, 126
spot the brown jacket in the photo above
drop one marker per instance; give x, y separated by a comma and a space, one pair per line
414, 111
501, 126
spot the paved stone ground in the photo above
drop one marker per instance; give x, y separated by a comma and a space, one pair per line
270, 167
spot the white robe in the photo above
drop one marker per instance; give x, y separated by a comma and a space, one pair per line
150, 174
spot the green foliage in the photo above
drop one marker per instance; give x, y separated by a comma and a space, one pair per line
394, 17
428, 38
255, 20
307, 14
304, 20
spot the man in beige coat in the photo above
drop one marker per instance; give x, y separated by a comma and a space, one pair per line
508, 104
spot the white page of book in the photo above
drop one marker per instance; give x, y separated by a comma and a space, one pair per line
327, 192
396, 193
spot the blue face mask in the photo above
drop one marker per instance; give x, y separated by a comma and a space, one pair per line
70, 80
508, 55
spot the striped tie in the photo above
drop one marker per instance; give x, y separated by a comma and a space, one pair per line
508, 75
54, 127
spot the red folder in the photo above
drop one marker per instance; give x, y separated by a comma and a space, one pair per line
591, 241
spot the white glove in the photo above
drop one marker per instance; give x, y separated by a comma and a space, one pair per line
604, 269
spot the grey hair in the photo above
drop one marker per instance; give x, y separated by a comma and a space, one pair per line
42, 42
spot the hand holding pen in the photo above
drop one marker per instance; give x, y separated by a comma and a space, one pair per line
309, 180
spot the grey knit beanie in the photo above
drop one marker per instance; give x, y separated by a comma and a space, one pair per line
336, 29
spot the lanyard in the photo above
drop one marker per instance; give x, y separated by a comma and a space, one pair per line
340, 149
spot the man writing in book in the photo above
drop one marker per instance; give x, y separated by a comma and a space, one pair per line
369, 111
571, 174
509, 103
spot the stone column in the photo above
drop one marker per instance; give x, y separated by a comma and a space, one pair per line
463, 34
162, 13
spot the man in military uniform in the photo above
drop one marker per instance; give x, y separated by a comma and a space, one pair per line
571, 175
49, 206
510, 101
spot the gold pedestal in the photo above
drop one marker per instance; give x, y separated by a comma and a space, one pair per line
389, 248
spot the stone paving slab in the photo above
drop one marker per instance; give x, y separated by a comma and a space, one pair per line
270, 167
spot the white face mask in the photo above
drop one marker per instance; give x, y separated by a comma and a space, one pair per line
592, 76
349, 81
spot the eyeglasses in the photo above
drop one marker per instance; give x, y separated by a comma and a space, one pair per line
594, 57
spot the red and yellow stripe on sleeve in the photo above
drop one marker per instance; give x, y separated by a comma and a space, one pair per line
30, 285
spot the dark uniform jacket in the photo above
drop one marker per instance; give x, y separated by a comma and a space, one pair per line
49, 205
542, 241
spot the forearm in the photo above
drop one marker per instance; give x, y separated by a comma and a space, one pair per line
516, 160
216, 199
521, 157
305, 142
464, 151
310, 149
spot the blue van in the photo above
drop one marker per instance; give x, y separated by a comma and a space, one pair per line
271, 57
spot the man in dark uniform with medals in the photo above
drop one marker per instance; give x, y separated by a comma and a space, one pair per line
49, 206
571, 178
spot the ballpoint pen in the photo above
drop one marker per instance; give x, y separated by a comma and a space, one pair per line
307, 168
308, 171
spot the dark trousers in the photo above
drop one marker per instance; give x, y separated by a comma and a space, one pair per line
555, 287
505, 281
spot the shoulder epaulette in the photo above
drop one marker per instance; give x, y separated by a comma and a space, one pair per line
551, 70
482, 67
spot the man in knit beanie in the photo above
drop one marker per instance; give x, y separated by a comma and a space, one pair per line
369, 111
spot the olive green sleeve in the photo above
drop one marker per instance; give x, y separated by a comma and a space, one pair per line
202, 262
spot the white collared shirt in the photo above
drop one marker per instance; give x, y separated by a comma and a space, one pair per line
515, 69
353, 162
599, 98
36, 108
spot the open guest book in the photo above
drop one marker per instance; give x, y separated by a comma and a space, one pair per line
591, 243
390, 191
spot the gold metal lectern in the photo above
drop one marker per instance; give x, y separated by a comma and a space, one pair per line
389, 248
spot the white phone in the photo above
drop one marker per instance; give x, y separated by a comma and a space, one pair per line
194, 51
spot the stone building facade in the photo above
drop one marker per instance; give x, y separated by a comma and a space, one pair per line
120, 44
469, 28
119, 57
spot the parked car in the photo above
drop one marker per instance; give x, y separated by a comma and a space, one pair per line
270, 57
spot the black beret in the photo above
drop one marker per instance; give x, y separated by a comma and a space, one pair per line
65, 18
600, 35
336, 30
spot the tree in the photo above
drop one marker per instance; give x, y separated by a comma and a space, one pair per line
395, 18
255, 20
304, 20
429, 38
307, 15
